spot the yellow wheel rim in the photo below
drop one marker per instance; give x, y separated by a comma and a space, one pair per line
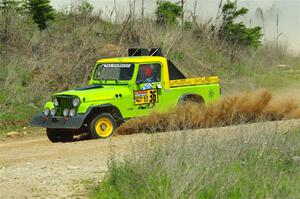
104, 127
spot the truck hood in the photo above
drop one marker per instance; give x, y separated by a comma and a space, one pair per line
98, 92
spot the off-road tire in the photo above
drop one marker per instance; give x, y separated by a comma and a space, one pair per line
197, 100
92, 127
59, 135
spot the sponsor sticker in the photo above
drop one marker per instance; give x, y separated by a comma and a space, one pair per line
145, 97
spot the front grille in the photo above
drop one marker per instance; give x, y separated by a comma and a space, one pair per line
64, 102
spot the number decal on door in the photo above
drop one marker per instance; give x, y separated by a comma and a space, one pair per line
145, 97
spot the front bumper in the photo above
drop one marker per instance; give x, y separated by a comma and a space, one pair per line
58, 122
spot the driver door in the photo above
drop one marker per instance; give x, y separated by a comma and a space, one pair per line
148, 88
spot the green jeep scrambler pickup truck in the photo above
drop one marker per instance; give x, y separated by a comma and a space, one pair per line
119, 89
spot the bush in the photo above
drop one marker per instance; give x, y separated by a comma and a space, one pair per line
167, 13
41, 11
85, 8
237, 34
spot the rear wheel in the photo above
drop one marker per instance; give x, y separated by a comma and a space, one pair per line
59, 135
102, 126
192, 99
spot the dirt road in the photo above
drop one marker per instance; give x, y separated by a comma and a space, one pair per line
32, 167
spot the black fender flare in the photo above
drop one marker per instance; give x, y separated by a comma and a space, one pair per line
103, 108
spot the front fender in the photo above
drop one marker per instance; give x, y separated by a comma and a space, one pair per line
49, 105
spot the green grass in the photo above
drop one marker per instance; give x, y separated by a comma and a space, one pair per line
15, 118
19, 113
250, 165
16, 103
277, 79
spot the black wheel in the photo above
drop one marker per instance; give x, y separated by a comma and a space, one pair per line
102, 126
59, 135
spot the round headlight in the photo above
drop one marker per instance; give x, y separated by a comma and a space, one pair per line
55, 101
46, 112
76, 102
66, 112
52, 112
72, 112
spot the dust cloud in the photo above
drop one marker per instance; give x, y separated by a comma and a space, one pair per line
245, 108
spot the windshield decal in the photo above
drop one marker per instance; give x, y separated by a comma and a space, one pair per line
115, 65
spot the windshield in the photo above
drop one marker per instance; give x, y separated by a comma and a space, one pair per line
111, 71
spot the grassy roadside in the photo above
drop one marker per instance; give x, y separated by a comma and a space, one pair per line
255, 164
16, 118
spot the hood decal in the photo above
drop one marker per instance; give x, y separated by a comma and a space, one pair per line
88, 87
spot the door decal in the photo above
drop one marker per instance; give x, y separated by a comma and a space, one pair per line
145, 97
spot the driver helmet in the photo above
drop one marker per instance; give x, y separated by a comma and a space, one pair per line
148, 71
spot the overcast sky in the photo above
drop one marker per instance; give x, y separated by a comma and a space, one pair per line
288, 12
